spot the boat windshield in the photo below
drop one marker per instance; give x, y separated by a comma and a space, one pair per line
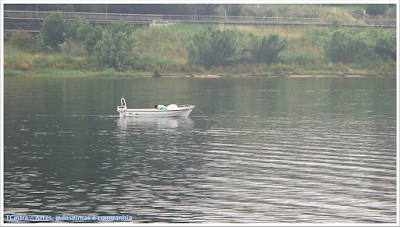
123, 102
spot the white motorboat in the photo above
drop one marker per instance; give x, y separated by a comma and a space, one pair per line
172, 110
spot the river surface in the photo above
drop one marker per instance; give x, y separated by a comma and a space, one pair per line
272, 150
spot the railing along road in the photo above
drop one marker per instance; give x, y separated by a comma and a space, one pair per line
154, 18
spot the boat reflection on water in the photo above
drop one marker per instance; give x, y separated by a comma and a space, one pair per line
181, 123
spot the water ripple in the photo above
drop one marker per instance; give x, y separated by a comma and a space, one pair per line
272, 158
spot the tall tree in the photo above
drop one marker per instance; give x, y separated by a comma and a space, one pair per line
52, 31
115, 49
208, 9
92, 38
376, 9
234, 9
72, 27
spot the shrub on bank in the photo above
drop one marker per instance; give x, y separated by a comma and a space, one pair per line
22, 41
343, 47
52, 32
266, 49
304, 53
115, 49
212, 47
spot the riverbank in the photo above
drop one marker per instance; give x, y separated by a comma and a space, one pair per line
288, 76
163, 50
112, 73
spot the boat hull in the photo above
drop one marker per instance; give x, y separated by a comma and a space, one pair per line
171, 110
180, 112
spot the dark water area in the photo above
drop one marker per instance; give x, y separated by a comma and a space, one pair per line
271, 150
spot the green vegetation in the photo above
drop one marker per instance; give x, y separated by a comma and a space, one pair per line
115, 49
343, 47
376, 9
23, 41
368, 45
212, 47
156, 74
181, 50
267, 49
52, 32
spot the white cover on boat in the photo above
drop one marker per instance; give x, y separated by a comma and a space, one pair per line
172, 107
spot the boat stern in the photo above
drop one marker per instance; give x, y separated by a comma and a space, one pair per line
122, 108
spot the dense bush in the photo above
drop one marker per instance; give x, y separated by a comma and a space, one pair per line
22, 40
385, 45
40, 44
212, 47
376, 9
343, 47
115, 49
266, 49
72, 27
92, 38
234, 10
346, 47
52, 32
81, 30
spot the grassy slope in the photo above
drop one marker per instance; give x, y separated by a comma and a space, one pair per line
164, 48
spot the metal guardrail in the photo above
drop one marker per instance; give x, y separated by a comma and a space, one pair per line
41, 15
151, 18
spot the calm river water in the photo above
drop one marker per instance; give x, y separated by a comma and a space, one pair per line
276, 150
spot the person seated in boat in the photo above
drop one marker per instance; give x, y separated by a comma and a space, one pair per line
160, 107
